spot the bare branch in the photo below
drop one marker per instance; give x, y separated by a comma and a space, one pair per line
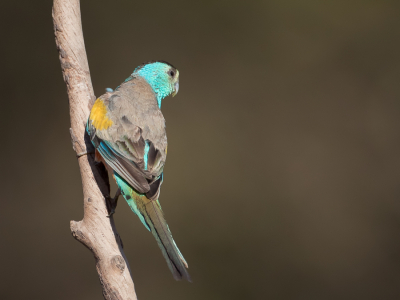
96, 231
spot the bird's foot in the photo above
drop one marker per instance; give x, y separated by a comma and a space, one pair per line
112, 202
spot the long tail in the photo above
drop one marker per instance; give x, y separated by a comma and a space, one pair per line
151, 210
152, 217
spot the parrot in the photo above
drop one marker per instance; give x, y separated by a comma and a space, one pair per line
127, 129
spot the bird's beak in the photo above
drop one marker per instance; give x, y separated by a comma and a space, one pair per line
176, 86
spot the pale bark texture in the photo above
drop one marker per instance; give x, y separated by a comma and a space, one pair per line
96, 231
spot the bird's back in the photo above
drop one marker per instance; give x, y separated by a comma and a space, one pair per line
135, 115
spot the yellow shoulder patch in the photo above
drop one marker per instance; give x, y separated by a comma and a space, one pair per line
98, 116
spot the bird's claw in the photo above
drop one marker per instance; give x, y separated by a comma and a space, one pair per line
111, 213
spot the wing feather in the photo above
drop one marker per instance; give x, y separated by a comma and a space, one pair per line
126, 169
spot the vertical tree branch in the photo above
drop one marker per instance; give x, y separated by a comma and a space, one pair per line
96, 231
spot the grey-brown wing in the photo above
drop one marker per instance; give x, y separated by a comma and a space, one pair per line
135, 160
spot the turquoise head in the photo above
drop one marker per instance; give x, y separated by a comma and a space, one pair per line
162, 77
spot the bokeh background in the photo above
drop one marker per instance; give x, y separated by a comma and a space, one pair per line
283, 171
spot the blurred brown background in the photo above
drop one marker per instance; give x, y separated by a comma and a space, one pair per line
283, 171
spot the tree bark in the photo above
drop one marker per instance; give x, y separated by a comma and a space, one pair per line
96, 231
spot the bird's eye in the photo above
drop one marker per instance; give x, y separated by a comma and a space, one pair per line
171, 73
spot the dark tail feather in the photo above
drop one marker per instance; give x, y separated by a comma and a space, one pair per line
159, 228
